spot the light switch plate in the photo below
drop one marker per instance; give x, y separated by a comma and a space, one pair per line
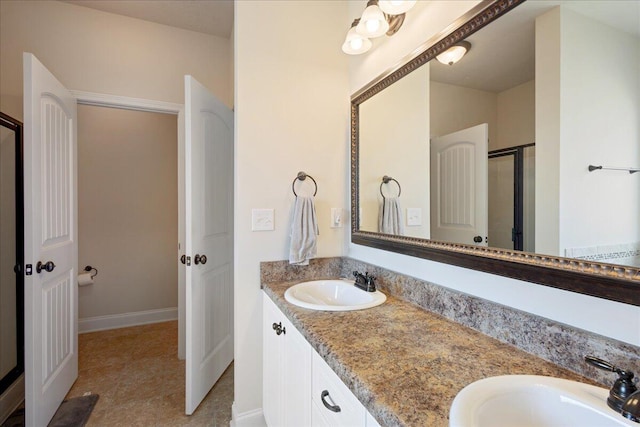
414, 217
262, 220
336, 217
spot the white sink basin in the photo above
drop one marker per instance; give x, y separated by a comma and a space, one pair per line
332, 295
533, 401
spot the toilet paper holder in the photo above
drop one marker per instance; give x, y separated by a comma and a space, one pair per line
88, 268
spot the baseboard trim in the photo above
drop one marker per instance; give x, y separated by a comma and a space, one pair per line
11, 398
124, 320
253, 418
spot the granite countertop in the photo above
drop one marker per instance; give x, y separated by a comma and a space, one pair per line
406, 364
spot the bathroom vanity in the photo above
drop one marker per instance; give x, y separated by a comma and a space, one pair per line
393, 365
299, 388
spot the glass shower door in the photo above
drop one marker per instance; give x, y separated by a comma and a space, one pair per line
11, 253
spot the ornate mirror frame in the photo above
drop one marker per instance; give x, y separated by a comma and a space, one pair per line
609, 281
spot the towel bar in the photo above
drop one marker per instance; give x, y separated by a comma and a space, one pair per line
630, 170
302, 176
385, 180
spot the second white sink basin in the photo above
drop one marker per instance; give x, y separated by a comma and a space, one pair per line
332, 295
533, 401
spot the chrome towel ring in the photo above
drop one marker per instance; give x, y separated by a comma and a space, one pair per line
385, 180
302, 176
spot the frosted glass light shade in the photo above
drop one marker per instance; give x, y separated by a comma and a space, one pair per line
454, 53
396, 7
355, 44
373, 23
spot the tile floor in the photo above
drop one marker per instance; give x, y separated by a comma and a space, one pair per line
140, 380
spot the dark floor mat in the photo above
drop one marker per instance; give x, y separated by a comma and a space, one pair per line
71, 413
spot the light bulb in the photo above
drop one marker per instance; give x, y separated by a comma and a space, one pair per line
373, 23
396, 7
354, 43
372, 26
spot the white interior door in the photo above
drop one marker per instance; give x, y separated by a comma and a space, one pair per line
51, 295
209, 240
459, 200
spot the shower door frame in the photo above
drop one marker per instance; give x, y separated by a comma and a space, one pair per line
517, 232
17, 127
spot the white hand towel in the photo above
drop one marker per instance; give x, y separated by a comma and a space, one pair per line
304, 231
390, 217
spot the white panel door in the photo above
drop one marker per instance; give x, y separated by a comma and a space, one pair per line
208, 240
459, 212
51, 295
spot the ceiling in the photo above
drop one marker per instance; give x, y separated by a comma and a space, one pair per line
503, 54
214, 17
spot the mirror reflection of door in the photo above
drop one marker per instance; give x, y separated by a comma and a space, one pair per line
11, 283
511, 198
459, 186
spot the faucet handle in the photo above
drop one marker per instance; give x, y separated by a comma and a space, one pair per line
606, 366
622, 388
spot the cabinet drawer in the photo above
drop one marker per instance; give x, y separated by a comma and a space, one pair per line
327, 387
371, 422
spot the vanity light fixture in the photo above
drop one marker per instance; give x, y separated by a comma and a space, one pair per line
354, 43
380, 17
454, 53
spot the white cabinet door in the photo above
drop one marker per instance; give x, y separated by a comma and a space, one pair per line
272, 378
297, 374
286, 371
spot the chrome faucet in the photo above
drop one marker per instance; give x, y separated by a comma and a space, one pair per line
624, 397
364, 281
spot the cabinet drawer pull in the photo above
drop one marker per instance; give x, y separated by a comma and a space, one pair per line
278, 328
334, 408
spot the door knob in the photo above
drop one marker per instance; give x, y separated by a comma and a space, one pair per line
48, 266
200, 259
183, 259
477, 239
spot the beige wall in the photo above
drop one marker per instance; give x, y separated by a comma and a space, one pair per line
516, 116
454, 108
95, 51
598, 126
510, 114
127, 210
292, 114
395, 142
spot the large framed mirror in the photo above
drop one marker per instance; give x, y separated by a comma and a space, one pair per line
518, 160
